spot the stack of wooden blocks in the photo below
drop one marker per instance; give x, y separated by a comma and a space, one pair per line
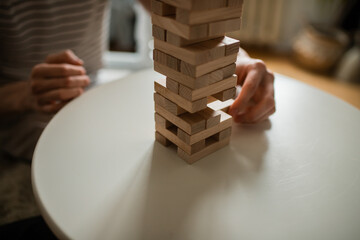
198, 60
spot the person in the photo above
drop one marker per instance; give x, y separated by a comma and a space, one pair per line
48, 52
39, 74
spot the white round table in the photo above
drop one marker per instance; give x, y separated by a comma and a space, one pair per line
98, 173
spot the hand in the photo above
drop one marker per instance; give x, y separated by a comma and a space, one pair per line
58, 80
255, 103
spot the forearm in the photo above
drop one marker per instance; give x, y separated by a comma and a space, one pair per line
15, 97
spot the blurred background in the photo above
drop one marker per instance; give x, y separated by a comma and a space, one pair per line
314, 41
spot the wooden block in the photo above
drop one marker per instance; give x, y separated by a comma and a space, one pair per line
224, 134
225, 122
178, 41
202, 69
186, 31
162, 121
161, 139
231, 45
180, 3
211, 99
172, 85
183, 15
222, 73
186, 80
226, 94
168, 105
220, 86
212, 15
211, 117
224, 26
235, 3
218, 105
211, 146
159, 33
161, 8
196, 147
171, 136
194, 54
166, 60
229, 70
191, 123
190, 106
159, 56
195, 83
195, 122
197, 4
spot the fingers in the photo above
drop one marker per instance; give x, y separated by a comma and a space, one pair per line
46, 70
53, 107
263, 108
58, 95
248, 90
67, 56
259, 112
58, 80
42, 85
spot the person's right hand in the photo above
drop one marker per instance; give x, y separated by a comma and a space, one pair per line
58, 80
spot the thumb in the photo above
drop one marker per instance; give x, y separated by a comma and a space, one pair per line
67, 56
238, 107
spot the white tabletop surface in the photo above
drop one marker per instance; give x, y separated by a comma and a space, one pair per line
98, 174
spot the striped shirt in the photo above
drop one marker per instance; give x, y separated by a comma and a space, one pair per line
31, 30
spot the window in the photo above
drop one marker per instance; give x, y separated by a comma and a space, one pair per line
129, 36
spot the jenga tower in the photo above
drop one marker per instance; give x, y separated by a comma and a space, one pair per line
199, 64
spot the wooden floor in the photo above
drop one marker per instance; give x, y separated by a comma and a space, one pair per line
284, 64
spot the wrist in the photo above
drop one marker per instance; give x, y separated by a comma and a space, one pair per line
16, 97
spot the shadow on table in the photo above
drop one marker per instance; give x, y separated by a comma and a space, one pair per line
166, 191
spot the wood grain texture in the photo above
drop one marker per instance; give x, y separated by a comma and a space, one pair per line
166, 60
212, 15
211, 117
190, 106
186, 80
224, 26
169, 23
235, 3
168, 105
226, 94
218, 87
178, 41
199, 82
159, 33
161, 8
220, 105
224, 134
231, 45
194, 54
225, 122
191, 123
202, 69
171, 136
197, 4
162, 121
211, 146
162, 140
172, 85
